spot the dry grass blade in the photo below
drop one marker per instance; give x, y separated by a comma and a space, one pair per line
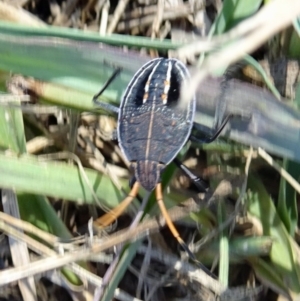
104, 18
246, 37
109, 275
18, 249
37, 144
158, 18
45, 251
282, 171
117, 15
18, 15
31, 229
120, 237
141, 230
71, 156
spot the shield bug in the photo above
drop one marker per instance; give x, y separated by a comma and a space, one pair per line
152, 129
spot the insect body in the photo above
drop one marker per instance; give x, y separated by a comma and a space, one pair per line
152, 127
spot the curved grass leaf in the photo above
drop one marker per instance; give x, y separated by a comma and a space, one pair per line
234, 11
265, 272
287, 201
251, 61
284, 259
56, 179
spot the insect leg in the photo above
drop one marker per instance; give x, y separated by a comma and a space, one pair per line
103, 105
220, 118
198, 182
215, 135
163, 209
112, 215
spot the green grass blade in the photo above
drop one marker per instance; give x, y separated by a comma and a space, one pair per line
240, 249
251, 61
12, 129
265, 273
294, 43
33, 208
283, 256
287, 201
66, 63
75, 34
233, 12
37, 210
56, 179
126, 258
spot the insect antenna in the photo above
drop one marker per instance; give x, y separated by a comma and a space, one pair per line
108, 82
112, 215
103, 105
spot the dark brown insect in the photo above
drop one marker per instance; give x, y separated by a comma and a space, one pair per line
152, 129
